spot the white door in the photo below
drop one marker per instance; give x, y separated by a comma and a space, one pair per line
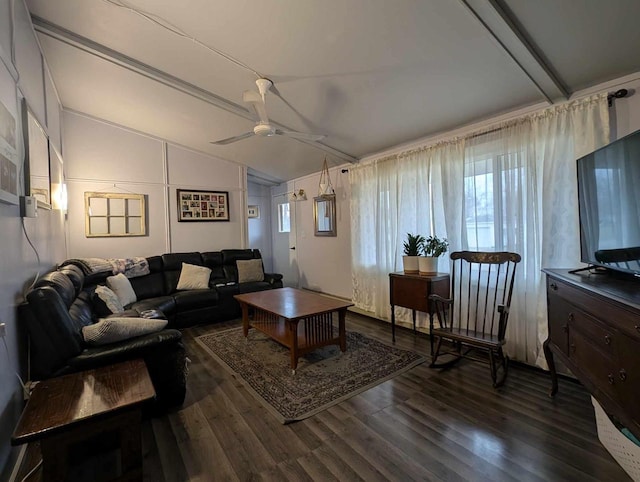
284, 240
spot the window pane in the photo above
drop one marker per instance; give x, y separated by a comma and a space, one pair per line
284, 218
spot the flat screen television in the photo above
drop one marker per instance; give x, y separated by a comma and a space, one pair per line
609, 203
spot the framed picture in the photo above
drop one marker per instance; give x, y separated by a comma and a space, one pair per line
253, 211
202, 205
9, 141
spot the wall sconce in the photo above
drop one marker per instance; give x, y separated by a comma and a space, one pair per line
298, 195
59, 196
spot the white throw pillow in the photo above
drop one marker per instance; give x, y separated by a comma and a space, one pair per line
110, 299
250, 270
110, 330
193, 277
121, 286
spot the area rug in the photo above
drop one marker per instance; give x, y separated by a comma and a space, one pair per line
323, 378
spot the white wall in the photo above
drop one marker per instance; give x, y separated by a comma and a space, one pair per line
324, 263
100, 156
18, 259
260, 227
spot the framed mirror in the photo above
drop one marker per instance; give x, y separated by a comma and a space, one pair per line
37, 169
324, 215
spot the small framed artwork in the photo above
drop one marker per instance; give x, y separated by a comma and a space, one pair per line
203, 205
253, 211
9, 137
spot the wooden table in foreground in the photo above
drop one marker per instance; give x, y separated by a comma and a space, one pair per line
300, 320
70, 410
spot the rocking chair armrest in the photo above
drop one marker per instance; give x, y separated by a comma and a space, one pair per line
440, 299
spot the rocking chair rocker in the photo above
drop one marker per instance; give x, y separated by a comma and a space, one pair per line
475, 317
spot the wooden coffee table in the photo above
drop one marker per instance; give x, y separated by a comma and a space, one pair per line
66, 411
300, 320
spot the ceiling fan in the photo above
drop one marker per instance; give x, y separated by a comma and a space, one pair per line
263, 128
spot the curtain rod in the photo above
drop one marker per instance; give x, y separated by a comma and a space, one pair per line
618, 94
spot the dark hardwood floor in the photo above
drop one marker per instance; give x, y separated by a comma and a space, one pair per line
422, 425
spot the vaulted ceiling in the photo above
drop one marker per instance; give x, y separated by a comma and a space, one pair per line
368, 74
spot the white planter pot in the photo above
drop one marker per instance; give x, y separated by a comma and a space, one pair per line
410, 264
427, 265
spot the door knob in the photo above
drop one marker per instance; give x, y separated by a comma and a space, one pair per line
623, 375
293, 248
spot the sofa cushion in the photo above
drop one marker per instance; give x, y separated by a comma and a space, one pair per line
121, 286
166, 304
195, 299
61, 283
249, 270
172, 265
81, 310
193, 277
106, 301
231, 256
213, 261
75, 275
148, 286
111, 330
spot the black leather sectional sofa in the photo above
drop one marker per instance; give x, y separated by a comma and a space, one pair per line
63, 301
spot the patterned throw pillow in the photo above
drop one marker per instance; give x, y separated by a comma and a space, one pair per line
193, 277
121, 286
110, 330
250, 270
107, 302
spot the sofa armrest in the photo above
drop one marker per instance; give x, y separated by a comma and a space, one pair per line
123, 350
272, 278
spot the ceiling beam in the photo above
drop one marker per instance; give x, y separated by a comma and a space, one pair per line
502, 28
117, 58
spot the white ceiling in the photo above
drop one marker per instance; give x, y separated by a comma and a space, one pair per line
370, 74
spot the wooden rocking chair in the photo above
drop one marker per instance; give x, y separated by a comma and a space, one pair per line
475, 318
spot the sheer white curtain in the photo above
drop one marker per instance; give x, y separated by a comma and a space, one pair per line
512, 188
389, 199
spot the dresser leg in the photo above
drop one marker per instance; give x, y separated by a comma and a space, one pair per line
548, 354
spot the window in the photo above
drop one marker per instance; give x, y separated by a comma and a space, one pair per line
284, 218
494, 201
114, 214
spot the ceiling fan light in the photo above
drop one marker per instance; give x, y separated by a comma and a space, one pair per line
264, 130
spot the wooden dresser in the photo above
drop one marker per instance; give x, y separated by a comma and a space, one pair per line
594, 329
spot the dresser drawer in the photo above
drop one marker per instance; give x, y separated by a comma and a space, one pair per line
594, 364
600, 335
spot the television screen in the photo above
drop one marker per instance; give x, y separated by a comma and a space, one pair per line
609, 201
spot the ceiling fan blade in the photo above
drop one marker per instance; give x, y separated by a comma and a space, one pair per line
300, 135
255, 99
229, 140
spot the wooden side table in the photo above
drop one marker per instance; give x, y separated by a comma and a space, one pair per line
412, 291
63, 412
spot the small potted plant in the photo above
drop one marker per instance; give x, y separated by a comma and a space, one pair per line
412, 248
432, 248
